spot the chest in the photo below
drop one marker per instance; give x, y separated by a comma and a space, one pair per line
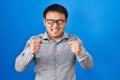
50, 53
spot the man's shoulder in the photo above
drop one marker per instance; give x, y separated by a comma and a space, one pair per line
37, 36
41, 35
72, 36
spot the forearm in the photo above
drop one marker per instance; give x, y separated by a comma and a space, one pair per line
23, 60
85, 59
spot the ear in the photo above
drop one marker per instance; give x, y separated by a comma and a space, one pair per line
66, 21
44, 21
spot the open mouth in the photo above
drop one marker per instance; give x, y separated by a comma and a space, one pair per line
55, 30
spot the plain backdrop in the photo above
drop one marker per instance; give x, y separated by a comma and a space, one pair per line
95, 22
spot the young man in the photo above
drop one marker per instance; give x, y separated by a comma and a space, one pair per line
55, 51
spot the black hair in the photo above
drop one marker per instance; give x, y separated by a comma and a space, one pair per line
57, 8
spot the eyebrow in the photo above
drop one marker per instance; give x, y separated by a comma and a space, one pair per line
56, 19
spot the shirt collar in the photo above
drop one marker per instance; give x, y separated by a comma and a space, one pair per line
65, 36
45, 36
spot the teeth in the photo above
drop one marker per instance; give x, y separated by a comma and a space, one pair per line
55, 30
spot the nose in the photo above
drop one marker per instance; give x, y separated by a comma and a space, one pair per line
55, 24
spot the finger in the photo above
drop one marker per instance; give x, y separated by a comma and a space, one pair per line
73, 50
38, 44
71, 43
36, 48
74, 45
38, 41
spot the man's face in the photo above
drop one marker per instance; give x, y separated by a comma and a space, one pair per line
55, 23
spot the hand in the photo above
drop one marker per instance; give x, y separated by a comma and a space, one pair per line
35, 45
75, 46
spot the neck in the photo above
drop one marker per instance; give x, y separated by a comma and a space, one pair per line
56, 38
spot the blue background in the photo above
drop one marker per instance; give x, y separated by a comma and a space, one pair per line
96, 22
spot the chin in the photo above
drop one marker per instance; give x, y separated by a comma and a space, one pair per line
55, 35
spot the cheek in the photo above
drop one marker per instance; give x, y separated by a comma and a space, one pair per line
48, 27
62, 28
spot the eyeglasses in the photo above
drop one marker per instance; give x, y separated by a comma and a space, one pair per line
52, 21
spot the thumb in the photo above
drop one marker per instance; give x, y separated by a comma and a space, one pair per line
70, 43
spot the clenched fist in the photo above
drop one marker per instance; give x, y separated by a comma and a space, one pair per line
35, 45
75, 46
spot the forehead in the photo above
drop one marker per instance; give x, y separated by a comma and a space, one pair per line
55, 15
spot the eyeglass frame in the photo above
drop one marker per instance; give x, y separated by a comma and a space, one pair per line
56, 21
